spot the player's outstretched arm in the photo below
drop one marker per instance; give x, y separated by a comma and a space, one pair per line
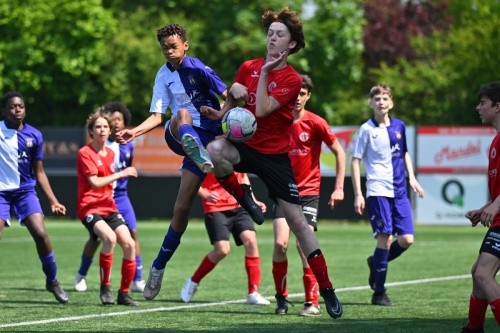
147, 125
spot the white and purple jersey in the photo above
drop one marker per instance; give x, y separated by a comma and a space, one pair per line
18, 150
123, 159
383, 151
191, 86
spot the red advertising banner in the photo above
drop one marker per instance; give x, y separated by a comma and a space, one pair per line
447, 149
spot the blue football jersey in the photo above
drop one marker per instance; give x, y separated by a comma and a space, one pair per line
191, 86
123, 159
383, 150
18, 150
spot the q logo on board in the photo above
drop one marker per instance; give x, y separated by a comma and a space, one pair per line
453, 192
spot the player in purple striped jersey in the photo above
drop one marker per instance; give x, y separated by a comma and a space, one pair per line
21, 157
121, 118
381, 144
183, 85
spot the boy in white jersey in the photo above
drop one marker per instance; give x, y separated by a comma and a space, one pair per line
381, 143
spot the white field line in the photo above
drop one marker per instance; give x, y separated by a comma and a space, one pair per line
202, 305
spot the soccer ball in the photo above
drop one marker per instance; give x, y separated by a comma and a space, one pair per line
239, 124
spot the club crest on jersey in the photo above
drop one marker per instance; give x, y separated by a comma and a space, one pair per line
493, 153
89, 218
192, 80
398, 135
272, 86
29, 142
304, 136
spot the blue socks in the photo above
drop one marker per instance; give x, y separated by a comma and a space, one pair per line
170, 243
190, 130
395, 250
85, 264
49, 266
380, 268
138, 268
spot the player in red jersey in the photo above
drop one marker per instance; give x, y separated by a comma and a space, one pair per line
485, 288
97, 209
269, 87
223, 217
308, 132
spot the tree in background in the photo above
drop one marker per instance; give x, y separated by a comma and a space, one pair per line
67, 57
52, 52
438, 85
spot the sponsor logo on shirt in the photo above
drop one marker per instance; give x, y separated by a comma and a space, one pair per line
255, 74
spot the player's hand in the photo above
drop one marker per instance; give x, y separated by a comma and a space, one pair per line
270, 65
359, 204
417, 188
213, 197
474, 216
488, 214
261, 205
239, 92
336, 198
128, 172
211, 113
125, 136
58, 209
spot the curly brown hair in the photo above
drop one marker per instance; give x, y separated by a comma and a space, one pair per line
292, 22
171, 30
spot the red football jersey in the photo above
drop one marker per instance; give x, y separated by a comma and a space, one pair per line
226, 201
272, 135
493, 170
90, 200
308, 133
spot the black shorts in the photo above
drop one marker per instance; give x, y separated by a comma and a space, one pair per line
221, 224
114, 221
491, 242
309, 203
275, 170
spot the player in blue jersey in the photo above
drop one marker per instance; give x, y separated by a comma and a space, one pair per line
381, 144
183, 85
121, 118
21, 158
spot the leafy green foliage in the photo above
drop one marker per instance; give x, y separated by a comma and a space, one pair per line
439, 86
52, 51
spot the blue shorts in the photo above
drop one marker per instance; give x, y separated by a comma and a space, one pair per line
24, 201
391, 216
125, 208
176, 146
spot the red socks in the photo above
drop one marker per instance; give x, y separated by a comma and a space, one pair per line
252, 265
105, 263
310, 287
205, 267
280, 270
128, 272
318, 266
231, 185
